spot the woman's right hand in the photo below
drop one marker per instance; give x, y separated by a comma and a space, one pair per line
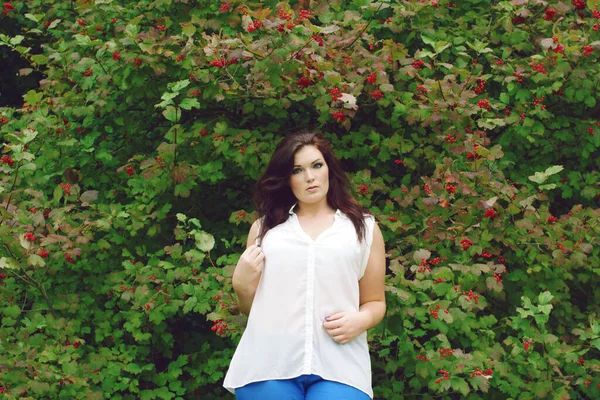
249, 267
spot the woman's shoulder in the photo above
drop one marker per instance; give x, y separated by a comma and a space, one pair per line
369, 217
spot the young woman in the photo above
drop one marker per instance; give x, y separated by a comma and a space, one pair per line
311, 281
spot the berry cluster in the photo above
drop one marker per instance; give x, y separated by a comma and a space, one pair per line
220, 327
490, 213
421, 91
223, 62
418, 64
372, 78
7, 8
319, 39
479, 372
66, 188
335, 94
7, 160
339, 116
471, 296
445, 376
435, 311
466, 243
480, 86
484, 104
549, 14
376, 95
254, 26
485, 254
498, 276
423, 266
43, 253
445, 353
539, 67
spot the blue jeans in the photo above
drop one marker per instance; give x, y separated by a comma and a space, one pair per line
304, 387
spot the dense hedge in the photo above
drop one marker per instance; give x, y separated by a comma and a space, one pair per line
470, 129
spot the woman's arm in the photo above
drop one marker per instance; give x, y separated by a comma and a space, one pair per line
372, 284
245, 291
345, 326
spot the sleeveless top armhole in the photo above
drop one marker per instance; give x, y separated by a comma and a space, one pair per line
366, 244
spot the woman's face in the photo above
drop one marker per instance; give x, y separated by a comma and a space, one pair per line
310, 177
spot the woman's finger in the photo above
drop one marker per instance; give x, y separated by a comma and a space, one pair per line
254, 251
260, 257
336, 332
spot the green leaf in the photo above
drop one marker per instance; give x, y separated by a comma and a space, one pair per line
188, 104
555, 169
204, 241
35, 260
420, 254
172, 114
460, 385
16, 40
12, 311
176, 87
422, 370
189, 304
590, 101
181, 191
133, 368
189, 30
541, 389
297, 96
70, 368
188, 289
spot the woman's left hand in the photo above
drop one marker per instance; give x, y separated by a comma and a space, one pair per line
345, 326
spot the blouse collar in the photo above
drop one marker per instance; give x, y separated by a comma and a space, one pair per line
338, 212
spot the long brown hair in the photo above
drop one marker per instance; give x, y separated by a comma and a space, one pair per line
273, 196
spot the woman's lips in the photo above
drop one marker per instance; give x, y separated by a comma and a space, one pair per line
312, 188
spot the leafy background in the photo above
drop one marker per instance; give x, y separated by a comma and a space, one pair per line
134, 131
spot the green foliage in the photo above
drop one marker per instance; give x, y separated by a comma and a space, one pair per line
470, 130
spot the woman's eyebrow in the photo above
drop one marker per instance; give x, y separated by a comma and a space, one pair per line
318, 159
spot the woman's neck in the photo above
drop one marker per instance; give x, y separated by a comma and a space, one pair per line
314, 209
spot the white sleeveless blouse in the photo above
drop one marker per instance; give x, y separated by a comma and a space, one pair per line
303, 281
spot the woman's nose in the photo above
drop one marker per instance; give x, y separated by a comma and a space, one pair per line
308, 176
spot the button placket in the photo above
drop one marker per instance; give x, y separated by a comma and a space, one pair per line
309, 306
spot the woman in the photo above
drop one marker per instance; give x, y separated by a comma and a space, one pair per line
311, 281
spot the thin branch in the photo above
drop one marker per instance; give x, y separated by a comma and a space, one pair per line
364, 29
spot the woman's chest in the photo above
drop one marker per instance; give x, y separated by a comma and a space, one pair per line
287, 252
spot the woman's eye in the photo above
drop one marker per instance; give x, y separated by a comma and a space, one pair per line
296, 171
318, 165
